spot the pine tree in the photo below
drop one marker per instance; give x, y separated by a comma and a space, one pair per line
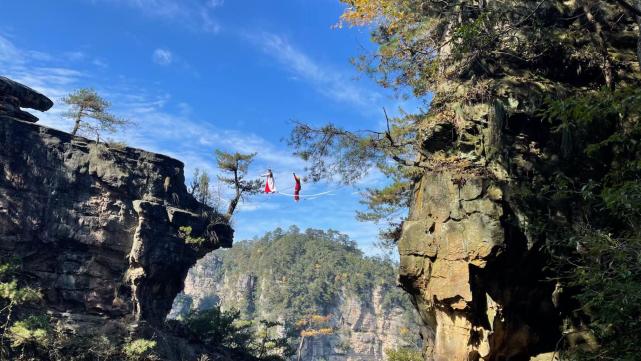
236, 165
89, 111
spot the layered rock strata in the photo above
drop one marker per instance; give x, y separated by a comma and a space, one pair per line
96, 227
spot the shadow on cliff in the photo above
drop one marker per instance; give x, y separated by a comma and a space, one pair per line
97, 228
516, 280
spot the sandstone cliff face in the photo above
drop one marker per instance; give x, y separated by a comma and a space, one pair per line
97, 227
365, 326
471, 256
477, 284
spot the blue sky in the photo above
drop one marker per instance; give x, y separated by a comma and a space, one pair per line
196, 75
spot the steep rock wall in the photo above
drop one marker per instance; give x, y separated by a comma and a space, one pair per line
97, 227
470, 256
365, 326
479, 287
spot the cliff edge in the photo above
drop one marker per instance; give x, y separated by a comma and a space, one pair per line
95, 226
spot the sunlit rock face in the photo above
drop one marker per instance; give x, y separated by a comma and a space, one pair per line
97, 226
478, 285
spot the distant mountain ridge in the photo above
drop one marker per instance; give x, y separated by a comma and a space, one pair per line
288, 275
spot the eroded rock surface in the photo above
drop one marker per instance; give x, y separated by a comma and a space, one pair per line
477, 284
97, 227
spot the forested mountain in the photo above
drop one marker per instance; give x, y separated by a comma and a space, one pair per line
289, 276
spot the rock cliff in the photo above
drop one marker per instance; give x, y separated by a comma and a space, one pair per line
472, 254
96, 227
366, 323
477, 283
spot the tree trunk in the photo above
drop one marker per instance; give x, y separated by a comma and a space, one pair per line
232, 206
78, 119
600, 43
76, 126
234, 202
300, 348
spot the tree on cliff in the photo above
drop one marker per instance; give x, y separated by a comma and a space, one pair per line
89, 111
424, 46
312, 326
235, 167
576, 176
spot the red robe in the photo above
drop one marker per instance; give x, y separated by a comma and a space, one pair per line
297, 189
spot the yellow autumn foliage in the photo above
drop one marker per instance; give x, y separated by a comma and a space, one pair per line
365, 12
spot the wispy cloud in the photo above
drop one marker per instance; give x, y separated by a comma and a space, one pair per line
155, 125
197, 14
172, 127
162, 56
328, 81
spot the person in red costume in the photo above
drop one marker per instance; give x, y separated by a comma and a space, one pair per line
297, 188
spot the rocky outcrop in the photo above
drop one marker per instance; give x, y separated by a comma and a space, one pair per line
96, 227
477, 283
472, 252
14, 95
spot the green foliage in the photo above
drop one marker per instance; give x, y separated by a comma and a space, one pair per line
216, 328
268, 344
139, 349
18, 295
335, 153
597, 250
12, 291
306, 272
34, 331
235, 166
65, 347
185, 233
15, 294
403, 354
89, 111
608, 275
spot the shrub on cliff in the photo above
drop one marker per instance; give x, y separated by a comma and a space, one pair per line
21, 332
140, 350
403, 354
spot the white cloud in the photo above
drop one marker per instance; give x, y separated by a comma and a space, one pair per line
170, 127
215, 3
196, 14
8, 52
162, 57
326, 80
75, 55
100, 63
